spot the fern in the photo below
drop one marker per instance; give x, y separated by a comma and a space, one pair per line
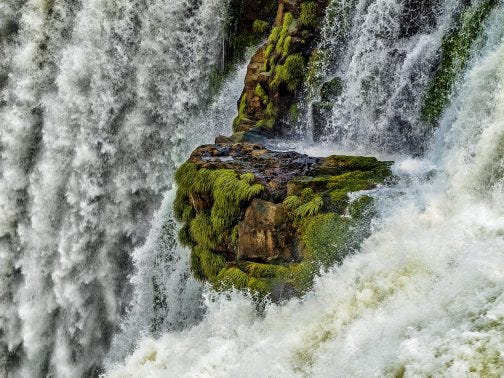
292, 202
310, 208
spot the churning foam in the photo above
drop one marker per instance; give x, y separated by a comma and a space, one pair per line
423, 297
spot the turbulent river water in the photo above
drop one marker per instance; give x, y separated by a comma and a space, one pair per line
102, 99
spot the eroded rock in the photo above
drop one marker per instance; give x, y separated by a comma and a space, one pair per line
264, 233
268, 221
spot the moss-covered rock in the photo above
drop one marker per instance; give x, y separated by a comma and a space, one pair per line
270, 221
278, 68
455, 52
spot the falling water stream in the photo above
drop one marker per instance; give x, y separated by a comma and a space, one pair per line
101, 100
94, 114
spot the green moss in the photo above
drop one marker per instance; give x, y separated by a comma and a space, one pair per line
261, 93
335, 165
234, 277
329, 226
184, 236
286, 46
326, 237
242, 112
228, 193
275, 34
287, 20
455, 52
267, 122
258, 270
267, 52
248, 177
270, 110
260, 26
202, 231
291, 72
308, 16
210, 263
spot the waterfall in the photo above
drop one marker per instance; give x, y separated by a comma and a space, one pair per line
424, 295
166, 296
100, 102
383, 53
96, 96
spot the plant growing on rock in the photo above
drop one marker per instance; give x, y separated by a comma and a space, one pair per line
273, 238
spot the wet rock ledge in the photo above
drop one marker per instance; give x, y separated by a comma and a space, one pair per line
268, 221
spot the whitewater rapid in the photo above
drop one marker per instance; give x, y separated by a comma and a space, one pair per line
423, 297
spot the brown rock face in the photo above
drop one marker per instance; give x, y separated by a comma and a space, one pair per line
272, 79
268, 220
263, 234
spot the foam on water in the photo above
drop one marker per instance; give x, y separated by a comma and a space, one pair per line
94, 119
423, 297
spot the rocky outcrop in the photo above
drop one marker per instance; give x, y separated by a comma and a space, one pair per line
268, 221
278, 68
264, 233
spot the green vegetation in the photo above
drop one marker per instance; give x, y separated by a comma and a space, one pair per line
242, 112
291, 72
234, 277
260, 26
327, 225
207, 228
455, 52
275, 34
287, 20
308, 15
261, 93
286, 46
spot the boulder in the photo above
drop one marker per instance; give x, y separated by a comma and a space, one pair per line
263, 234
268, 221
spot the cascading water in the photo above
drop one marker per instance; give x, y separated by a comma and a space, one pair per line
96, 96
166, 296
383, 53
424, 296
101, 100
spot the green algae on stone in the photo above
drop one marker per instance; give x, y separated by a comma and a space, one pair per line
291, 72
455, 53
315, 222
242, 112
308, 16
260, 26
